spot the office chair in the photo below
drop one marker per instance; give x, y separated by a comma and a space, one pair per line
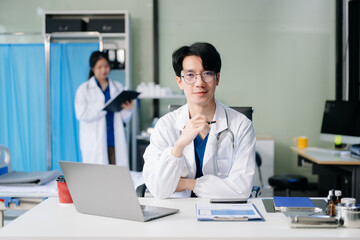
288, 182
140, 190
255, 192
258, 165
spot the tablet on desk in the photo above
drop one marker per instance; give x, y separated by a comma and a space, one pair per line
228, 200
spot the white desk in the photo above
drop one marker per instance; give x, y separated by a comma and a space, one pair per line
49, 220
27, 197
30, 196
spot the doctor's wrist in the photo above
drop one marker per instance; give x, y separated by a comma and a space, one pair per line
177, 151
190, 184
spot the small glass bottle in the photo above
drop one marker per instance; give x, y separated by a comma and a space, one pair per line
338, 196
332, 210
327, 210
331, 193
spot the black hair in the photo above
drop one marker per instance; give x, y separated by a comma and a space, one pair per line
94, 58
209, 55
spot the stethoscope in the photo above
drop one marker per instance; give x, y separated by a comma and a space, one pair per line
224, 138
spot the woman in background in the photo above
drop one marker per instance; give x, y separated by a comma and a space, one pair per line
102, 134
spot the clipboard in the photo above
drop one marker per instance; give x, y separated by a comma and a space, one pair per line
114, 104
228, 212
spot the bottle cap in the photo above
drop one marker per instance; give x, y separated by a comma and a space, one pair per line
348, 200
331, 192
337, 140
338, 193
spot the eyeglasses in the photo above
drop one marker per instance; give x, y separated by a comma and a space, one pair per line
191, 77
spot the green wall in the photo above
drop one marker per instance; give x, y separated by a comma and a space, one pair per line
278, 56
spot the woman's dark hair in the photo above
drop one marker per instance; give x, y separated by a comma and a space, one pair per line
209, 55
94, 58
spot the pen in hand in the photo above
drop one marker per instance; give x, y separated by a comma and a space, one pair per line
211, 122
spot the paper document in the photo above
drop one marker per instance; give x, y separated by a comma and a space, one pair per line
227, 212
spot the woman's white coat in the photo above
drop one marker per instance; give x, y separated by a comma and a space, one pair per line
89, 101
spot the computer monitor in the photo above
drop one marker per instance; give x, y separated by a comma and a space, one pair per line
341, 119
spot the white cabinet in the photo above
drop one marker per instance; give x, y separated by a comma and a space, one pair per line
265, 147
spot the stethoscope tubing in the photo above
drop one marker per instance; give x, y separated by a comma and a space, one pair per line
219, 139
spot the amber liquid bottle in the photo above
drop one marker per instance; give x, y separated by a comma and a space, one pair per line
333, 202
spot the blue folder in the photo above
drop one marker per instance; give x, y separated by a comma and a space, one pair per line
292, 202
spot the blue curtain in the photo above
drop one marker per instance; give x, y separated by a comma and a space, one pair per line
23, 105
23, 102
69, 68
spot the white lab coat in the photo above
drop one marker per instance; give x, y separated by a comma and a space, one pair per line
162, 171
89, 101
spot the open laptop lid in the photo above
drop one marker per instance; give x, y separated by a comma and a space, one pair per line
105, 190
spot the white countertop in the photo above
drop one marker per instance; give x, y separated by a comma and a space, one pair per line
50, 220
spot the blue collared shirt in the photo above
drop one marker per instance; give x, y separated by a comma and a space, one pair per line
200, 147
109, 118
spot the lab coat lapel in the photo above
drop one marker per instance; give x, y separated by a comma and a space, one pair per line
220, 125
95, 90
93, 84
210, 148
113, 89
189, 154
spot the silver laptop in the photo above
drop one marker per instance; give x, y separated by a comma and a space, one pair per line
107, 190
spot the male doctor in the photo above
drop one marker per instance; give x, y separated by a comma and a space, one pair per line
204, 148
